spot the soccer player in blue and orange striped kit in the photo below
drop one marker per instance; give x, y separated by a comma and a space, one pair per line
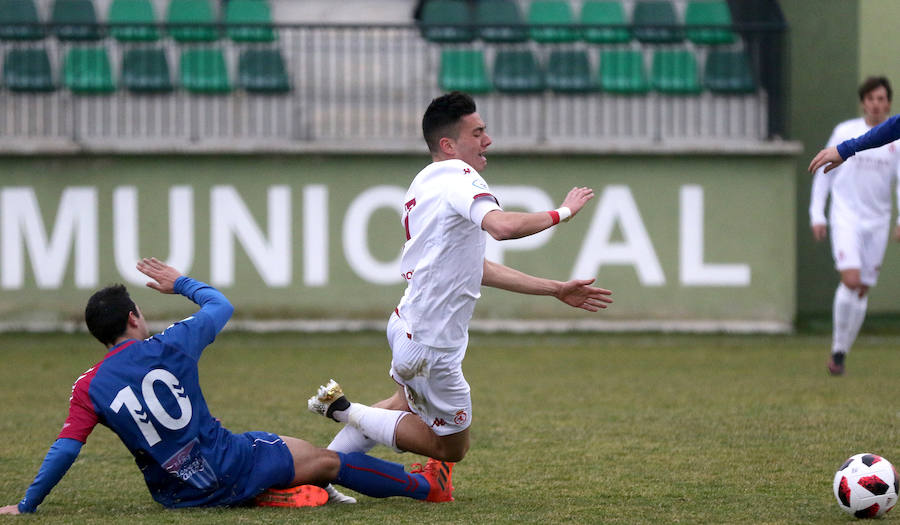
147, 390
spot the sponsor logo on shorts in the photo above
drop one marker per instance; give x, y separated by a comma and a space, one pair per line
438, 422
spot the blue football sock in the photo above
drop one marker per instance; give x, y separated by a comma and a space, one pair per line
379, 478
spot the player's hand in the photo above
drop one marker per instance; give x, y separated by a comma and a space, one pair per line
10, 509
580, 294
828, 157
163, 274
577, 198
819, 231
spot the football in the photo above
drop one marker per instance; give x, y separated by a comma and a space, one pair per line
866, 486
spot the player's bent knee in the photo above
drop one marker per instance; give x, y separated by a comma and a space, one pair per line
317, 469
851, 280
852, 284
452, 451
454, 457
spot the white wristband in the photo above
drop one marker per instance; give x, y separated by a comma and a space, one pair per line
564, 213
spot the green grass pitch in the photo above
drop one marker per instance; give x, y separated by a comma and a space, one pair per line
579, 428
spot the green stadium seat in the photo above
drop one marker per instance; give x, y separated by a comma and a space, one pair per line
262, 71
146, 70
75, 20
675, 72
728, 72
27, 70
507, 24
569, 71
203, 70
140, 17
198, 12
18, 20
517, 71
655, 22
708, 13
86, 71
623, 72
604, 12
463, 70
256, 13
552, 14
447, 21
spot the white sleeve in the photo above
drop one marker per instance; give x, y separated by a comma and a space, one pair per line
482, 207
466, 190
821, 187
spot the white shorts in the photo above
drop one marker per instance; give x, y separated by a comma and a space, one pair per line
432, 379
863, 248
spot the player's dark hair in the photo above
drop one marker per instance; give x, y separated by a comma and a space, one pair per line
442, 118
871, 84
106, 313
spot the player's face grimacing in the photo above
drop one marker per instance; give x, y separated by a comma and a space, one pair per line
472, 141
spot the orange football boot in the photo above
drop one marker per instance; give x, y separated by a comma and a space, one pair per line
299, 496
438, 474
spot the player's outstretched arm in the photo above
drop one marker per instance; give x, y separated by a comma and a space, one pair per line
213, 303
580, 294
503, 225
828, 157
59, 458
884, 133
577, 292
577, 198
163, 275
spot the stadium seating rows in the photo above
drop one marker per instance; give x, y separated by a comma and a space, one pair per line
135, 21
654, 31
87, 70
191, 23
86, 67
622, 71
707, 22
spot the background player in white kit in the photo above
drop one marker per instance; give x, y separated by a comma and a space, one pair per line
860, 216
446, 210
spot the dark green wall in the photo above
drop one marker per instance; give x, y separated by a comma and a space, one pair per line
823, 69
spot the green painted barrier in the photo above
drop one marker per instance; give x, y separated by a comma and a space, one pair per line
678, 239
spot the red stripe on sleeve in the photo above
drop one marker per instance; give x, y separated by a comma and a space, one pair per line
480, 195
82, 419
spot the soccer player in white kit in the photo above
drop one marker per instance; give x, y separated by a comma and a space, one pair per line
859, 216
446, 211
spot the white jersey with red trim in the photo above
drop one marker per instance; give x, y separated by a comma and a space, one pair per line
860, 188
443, 258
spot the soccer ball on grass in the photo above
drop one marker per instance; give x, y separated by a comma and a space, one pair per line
866, 486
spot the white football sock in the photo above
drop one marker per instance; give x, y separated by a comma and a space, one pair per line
849, 312
379, 424
350, 439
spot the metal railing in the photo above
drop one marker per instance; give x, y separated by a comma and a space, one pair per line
363, 88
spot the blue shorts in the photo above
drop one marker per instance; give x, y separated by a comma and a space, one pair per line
252, 463
273, 466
